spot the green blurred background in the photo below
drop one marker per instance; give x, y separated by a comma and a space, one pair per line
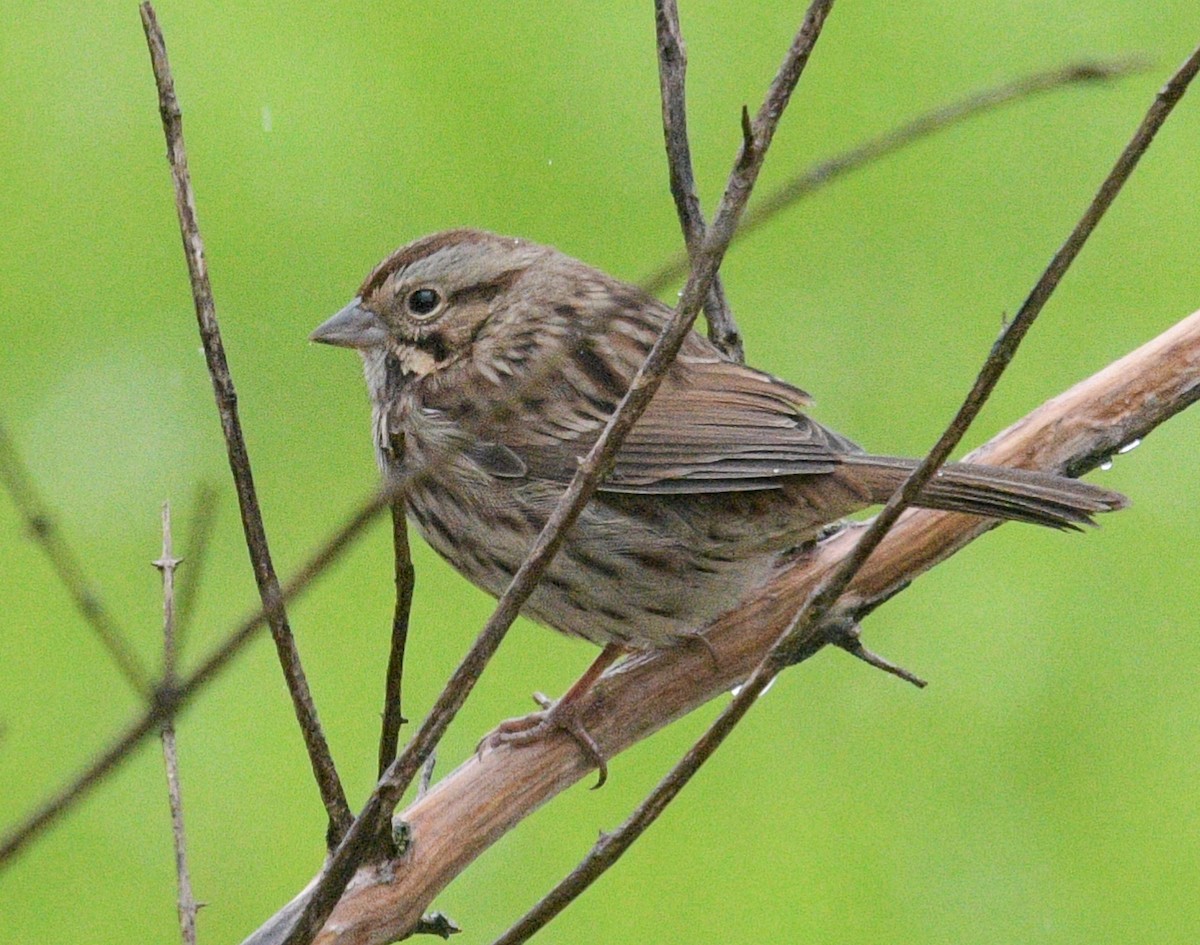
1042, 789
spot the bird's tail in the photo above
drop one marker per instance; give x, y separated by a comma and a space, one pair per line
1020, 495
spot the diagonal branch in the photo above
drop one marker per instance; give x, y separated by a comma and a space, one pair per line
405, 578
46, 532
470, 809
332, 794
802, 637
169, 701
924, 125
196, 542
672, 79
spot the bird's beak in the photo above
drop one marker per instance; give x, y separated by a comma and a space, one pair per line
352, 327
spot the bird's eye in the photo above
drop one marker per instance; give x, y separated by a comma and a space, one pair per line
423, 301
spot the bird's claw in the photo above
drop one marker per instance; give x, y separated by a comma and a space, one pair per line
553, 717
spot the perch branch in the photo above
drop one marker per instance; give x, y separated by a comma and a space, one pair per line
330, 786
470, 809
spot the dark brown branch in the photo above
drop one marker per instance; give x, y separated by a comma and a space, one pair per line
167, 563
929, 123
45, 531
805, 628
374, 818
672, 79
405, 576
332, 794
473, 807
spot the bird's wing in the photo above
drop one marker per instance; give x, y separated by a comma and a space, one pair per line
713, 426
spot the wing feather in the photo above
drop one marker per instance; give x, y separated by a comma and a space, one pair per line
713, 426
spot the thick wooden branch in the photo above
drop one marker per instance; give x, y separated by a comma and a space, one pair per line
474, 806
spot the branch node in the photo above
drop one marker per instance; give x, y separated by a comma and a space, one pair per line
436, 923
848, 637
401, 838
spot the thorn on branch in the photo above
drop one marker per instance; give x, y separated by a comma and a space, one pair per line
747, 155
167, 698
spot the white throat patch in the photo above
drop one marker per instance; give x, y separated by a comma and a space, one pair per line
414, 361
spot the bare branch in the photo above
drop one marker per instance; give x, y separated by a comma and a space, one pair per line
929, 123
196, 538
806, 627
44, 530
168, 700
167, 564
672, 78
393, 710
372, 821
473, 807
332, 794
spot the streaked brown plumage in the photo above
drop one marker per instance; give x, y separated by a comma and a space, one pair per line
493, 363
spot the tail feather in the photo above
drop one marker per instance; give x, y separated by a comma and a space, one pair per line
1020, 495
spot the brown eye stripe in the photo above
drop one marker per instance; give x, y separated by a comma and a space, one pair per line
484, 291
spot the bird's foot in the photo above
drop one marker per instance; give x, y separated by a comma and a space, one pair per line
561, 716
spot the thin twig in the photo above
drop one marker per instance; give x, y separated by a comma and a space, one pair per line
166, 564
168, 701
807, 622
849, 638
374, 818
328, 552
924, 125
672, 79
45, 531
332, 794
196, 538
393, 710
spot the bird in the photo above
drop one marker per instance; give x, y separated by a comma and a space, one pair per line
492, 364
